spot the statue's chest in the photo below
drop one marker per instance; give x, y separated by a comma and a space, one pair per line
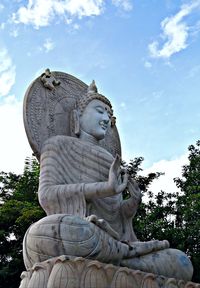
90, 163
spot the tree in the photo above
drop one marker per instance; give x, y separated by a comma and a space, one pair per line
155, 216
19, 208
173, 216
188, 208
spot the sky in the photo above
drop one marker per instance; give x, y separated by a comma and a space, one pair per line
143, 54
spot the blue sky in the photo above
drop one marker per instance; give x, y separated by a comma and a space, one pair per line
143, 54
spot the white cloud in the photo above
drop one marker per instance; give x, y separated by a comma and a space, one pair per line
195, 29
7, 72
14, 33
41, 12
1, 7
126, 5
175, 32
82, 8
194, 71
14, 145
2, 26
48, 45
76, 26
172, 169
147, 64
123, 105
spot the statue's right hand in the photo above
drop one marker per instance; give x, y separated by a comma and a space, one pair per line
116, 181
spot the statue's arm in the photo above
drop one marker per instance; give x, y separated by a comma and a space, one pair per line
53, 198
129, 207
57, 198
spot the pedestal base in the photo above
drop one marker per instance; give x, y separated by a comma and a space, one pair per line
70, 272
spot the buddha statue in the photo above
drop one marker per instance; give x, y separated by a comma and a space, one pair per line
80, 189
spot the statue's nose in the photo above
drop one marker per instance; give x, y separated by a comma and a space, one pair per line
106, 118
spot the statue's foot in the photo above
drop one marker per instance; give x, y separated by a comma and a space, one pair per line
169, 263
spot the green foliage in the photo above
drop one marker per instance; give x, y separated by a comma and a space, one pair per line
188, 207
133, 168
19, 208
174, 216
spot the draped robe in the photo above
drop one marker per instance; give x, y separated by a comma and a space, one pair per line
67, 160
67, 165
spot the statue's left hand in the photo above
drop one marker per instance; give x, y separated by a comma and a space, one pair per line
134, 190
129, 207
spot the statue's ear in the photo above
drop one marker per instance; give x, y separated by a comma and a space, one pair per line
76, 122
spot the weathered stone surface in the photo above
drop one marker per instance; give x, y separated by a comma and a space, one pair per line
69, 272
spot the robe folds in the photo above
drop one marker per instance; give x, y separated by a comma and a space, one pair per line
67, 164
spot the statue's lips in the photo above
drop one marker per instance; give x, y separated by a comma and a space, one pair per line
104, 127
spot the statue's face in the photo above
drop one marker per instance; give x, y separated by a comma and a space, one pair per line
95, 119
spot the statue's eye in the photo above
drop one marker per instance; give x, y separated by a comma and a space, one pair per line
100, 110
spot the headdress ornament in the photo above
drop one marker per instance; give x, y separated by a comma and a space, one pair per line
92, 93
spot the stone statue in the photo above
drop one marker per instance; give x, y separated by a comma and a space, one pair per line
80, 189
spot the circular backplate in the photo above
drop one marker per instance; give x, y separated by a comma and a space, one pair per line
48, 107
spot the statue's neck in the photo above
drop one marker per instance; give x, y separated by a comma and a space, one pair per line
88, 138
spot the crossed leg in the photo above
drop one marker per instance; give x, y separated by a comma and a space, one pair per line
62, 234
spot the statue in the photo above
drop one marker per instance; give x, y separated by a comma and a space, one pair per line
80, 189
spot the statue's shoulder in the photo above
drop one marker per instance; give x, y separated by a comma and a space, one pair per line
59, 141
62, 144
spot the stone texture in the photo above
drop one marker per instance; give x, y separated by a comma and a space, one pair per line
69, 272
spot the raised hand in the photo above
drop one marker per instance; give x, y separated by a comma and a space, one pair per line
117, 182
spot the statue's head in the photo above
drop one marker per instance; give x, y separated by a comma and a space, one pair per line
94, 114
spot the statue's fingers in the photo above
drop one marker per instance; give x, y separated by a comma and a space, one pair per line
125, 180
116, 164
133, 190
137, 189
131, 187
135, 184
123, 185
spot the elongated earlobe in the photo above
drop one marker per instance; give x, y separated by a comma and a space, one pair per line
76, 122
